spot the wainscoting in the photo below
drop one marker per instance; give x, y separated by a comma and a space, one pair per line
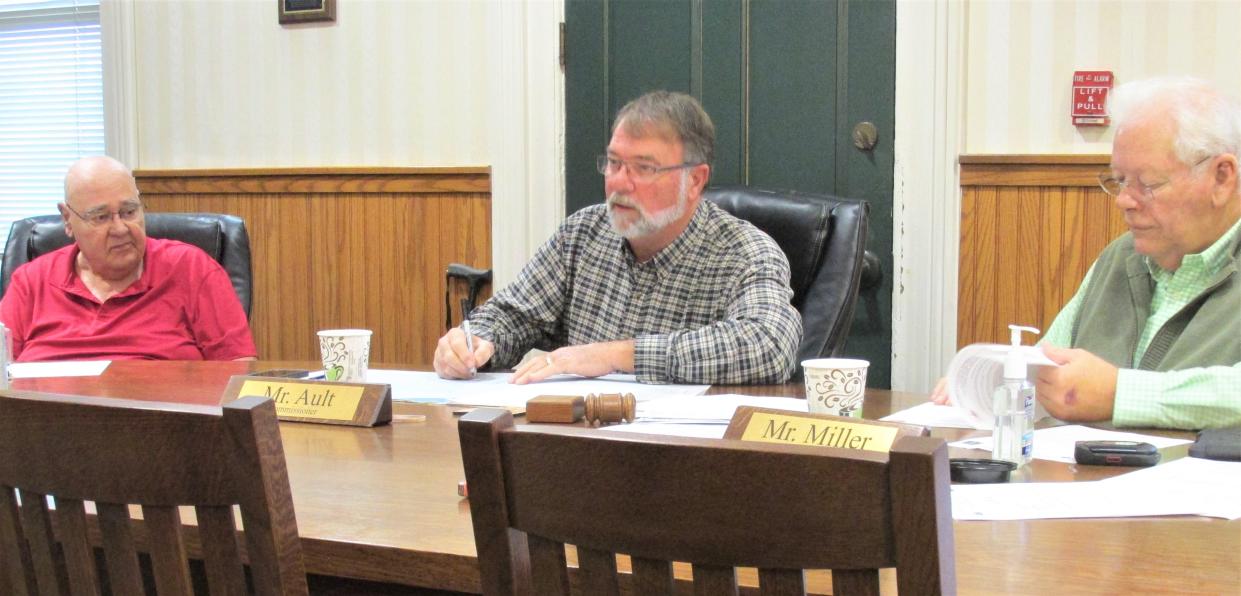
1031, 225
344, 247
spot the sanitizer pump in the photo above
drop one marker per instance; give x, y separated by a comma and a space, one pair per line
1013, 404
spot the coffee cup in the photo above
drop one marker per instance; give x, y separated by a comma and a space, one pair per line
346, 354
835, 386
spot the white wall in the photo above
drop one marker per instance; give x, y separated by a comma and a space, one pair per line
389, 83
221, 84
1021, 55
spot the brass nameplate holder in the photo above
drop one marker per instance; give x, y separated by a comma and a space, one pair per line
818, 430
325, 402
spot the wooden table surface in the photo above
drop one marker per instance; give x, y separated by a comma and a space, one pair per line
381, 503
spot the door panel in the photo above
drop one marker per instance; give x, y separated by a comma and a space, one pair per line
785, 81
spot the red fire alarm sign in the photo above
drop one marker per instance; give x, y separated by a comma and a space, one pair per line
1090, 91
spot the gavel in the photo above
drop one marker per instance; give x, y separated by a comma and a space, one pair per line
601, 408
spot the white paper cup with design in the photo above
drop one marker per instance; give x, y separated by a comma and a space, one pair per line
835, 386
346, 354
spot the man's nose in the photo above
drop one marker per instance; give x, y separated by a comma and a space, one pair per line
117, 226
1128, 198
620, 181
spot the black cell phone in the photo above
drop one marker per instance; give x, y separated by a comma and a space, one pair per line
1116, 453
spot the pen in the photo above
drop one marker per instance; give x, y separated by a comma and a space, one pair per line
469, 341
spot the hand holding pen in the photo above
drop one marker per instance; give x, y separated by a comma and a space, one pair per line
460, 353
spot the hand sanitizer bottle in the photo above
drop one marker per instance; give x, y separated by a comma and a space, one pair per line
1013, 405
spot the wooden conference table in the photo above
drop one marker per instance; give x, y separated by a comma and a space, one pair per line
381, 503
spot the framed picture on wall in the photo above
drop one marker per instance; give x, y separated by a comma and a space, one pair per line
305, 11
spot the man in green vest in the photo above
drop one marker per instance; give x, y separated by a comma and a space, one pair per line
1153, 336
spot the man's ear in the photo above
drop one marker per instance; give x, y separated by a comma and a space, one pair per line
698, 177
1224, 180
64, 214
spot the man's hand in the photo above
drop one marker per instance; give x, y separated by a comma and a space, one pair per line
939, 394
587, 360
454, 361
1081, 389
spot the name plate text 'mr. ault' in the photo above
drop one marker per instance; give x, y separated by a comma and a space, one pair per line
351, 404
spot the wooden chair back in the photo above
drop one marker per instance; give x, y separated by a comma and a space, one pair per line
118, 453
715, 504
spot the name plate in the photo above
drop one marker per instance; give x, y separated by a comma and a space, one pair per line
766, 425
299, 400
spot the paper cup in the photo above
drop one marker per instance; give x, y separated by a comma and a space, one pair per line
835, 386
346, 354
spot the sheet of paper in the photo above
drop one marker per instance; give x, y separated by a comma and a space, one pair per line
493, 389
702, 431
930, 414
1187, 486
1215, 485
1057, 443
82, 368
705, 416
709, 408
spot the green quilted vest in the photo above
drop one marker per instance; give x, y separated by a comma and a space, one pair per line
1206, 332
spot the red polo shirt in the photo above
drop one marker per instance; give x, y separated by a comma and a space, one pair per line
182, 308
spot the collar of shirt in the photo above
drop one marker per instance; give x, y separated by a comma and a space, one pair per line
1199, 266
68, 280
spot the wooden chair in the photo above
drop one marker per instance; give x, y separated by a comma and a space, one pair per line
118, 452
712, 503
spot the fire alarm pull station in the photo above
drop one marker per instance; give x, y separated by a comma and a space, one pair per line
1090, 91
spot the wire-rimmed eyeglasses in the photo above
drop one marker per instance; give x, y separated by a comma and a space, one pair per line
639, 172
1114, 185
129, 212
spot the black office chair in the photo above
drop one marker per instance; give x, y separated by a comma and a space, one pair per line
824, 238
224, 237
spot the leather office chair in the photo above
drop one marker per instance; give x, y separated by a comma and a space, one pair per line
224, 237
160, 456
714, 504
824, 238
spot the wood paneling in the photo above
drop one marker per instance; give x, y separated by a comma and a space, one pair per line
344, 247
1030, 228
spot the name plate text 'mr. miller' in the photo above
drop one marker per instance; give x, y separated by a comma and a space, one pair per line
775, 428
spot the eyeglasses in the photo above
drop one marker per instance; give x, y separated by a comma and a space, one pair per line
129, 212
1114, 185
639, 172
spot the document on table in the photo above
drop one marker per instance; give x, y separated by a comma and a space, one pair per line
1187, 486
494, 390
81, 368
698, 416
1057, 443
931, 414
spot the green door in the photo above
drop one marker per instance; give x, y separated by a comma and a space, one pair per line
785, 82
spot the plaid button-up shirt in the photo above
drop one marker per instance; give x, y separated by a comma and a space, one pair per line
712, 307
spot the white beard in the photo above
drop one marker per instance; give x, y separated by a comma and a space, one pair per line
644, 223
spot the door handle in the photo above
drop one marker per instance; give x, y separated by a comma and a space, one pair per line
865, 135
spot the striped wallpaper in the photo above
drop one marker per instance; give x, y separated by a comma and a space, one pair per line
1021, 54
221, 83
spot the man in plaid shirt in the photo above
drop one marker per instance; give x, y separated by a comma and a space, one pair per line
654, 282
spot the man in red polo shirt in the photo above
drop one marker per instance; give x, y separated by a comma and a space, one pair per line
116, 294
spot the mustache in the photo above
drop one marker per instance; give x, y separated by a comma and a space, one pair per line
621, 200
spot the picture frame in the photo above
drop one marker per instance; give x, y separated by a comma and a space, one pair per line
306, 11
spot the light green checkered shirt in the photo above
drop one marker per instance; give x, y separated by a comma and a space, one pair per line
1189, 398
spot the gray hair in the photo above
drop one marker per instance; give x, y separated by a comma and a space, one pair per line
679, 114
1207, 122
